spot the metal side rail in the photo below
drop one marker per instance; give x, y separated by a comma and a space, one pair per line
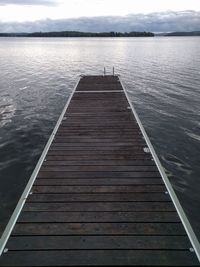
6, 234
188, 228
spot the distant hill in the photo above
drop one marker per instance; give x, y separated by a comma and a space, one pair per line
194, 33
160, 34
79, 34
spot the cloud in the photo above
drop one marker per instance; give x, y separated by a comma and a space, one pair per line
156, 22
27, 2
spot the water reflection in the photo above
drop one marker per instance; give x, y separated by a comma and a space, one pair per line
7, 110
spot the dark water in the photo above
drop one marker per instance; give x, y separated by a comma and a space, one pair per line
162, 76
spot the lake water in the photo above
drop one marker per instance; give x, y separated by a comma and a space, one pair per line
162, 76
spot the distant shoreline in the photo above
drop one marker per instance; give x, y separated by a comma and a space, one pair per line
79, 34
179, 34
100, 34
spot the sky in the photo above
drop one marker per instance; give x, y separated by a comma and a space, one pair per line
29, 15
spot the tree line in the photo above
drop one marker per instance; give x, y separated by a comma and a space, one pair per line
79, 34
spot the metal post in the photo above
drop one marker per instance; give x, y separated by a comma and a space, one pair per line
113, 71
104, 71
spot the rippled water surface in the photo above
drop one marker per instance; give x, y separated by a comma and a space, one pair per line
162, 76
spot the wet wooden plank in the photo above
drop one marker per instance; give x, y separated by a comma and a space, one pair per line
100, 115
115, 129
99, 130
98, 168
94, 140
97, 119
96, 109
94, 217
98, 189
97, 145
100, 228
96, 125
98, 181
100, 174
27, 243
102, 136
105, 157
91, 162
100, 257
98, 87
99, 206
98, 148
66, 197
134, 152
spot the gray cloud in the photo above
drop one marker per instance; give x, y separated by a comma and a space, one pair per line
28, 2
156, 22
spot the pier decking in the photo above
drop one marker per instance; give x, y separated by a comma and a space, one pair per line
97, 196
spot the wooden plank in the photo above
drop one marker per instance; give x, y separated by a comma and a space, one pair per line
96, 124
103, 134
100, 97
103, 144
26, 243
101, 94
91, 162
130, 129
102, 155
97, 119
46, 197
100, 206
102, 105
101, 115
107, 121
92, 122
99, 129
100, 257
99, 188
128, 153
95, 134
97, 168
115, 149
98, 87
103, 228
89, 106
103, 217
95, 140
106, 157
99, 181
97, 109
102, 174
75, 133
111, 105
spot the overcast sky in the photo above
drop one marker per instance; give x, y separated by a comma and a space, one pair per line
29, 15
30, 10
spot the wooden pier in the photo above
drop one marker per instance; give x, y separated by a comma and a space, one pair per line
97, 196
